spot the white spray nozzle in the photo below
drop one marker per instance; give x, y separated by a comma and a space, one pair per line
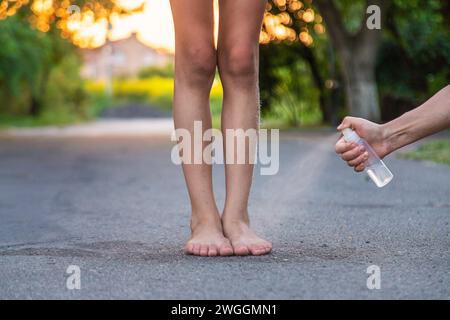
350, 135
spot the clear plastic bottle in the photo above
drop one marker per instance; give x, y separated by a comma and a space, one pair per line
375, 167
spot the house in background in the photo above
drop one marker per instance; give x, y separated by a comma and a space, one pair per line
121, 58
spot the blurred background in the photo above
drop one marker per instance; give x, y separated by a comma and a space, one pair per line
64, 62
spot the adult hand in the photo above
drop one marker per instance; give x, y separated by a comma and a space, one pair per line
356, 155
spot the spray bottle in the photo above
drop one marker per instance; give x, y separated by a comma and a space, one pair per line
375, 167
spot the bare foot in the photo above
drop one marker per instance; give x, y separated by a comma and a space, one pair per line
207, 239
244, 240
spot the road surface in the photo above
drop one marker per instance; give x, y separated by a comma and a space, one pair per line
117, 208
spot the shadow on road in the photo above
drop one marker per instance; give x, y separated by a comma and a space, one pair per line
139, 251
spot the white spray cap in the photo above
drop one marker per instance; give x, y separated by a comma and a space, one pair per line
350, 135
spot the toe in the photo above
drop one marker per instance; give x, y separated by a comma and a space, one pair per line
226, 250
260, 248
204, 250
212, 252
241, 250
196, 249
189, 248
257, 250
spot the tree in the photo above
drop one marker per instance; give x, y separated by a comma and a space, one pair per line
23, 58
416, 38
357, 53
34, 51
72, 16
299, 29
36, 67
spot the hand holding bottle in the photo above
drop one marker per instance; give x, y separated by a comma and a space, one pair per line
427, 119
375, 167
356, 155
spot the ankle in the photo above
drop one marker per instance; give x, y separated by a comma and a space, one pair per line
198, 220
235, 219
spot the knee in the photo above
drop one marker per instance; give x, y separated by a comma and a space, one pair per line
239, 62
197, 63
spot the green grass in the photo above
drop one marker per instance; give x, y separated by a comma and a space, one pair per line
436, 151
48, 119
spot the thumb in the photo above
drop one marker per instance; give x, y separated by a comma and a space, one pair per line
346, 123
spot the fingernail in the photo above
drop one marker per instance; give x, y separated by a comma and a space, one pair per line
361, 149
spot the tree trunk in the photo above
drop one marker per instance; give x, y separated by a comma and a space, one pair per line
362, 96
361, 89
35, 107
357, 54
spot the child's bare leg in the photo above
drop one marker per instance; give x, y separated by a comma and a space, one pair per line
239, 28
195, 65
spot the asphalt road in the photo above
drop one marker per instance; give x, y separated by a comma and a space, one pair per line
118, 209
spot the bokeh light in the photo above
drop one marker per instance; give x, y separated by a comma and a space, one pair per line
97, 21
290, 21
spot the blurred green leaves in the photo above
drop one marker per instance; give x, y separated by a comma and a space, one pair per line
39, 73
414, 60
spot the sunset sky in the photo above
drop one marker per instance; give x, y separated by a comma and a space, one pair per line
153, 26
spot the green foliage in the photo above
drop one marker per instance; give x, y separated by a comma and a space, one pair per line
64, 91
46, 119
39, 75
437, 151
414, 60
166, 71
286, 86
155, 90
319, 66
23, 53
352, 12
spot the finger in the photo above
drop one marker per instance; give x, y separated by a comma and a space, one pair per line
357, 161
343, 146
346, 123
353, 153
360, 167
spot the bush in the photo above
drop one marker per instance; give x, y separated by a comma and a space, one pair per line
64, 93
166, 71
39, 75
154, 90
414, 60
